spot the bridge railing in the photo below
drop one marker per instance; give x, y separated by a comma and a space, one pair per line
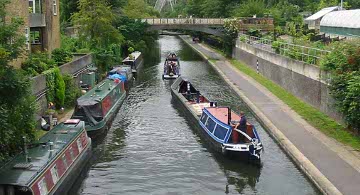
184, 21
302, 53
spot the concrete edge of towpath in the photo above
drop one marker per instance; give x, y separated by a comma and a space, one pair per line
322, 183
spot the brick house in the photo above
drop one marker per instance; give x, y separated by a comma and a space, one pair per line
41, 24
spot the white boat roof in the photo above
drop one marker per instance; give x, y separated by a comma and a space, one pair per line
322, 13
342, 19
136, 54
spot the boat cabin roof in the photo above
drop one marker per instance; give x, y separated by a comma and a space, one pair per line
221, 113
19, 172
136, 55
98, 93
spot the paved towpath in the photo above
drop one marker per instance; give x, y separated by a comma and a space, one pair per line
336, 162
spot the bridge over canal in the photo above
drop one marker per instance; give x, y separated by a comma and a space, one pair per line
212, 26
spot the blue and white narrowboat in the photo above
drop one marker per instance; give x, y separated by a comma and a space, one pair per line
217, 123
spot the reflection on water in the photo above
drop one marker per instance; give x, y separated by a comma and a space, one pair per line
153, 147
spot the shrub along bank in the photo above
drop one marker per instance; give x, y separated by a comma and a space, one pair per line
344, 67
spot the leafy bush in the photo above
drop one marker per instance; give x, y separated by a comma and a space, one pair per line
276, 45
61, 56
72, 92
344, 67
56, 87
17, 108
37, 63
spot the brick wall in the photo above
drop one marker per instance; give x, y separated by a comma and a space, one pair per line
52, 37
19, 8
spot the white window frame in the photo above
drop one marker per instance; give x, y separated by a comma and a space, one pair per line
42, 187
72, 155
54, 174
55, 7
27, 36
65, 161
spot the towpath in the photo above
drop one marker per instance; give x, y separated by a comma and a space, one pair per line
333, 167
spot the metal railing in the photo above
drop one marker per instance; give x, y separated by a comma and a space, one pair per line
184, 21
298, 52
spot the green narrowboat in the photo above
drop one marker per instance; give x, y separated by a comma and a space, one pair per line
99, 106
49, 166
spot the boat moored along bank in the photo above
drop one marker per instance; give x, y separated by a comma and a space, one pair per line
135, 60
49, 166
99, 106
217, 123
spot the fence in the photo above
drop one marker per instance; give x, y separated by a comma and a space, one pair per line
177, 21
302, 53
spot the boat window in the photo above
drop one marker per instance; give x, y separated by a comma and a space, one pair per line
54, 174
210, 125
42, 186
64, 161
79, 144
203, 118
220, 132
128, 63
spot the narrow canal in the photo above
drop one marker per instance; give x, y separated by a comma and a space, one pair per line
152, 148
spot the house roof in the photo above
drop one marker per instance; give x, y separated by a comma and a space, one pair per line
322, 13
342, 19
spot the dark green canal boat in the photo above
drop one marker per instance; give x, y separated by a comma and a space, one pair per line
49, 166
99, 106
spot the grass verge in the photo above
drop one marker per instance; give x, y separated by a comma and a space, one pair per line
313, 116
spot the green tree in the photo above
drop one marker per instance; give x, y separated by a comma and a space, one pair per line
139, 9
96, 18
11, 39
251, 8
17, 105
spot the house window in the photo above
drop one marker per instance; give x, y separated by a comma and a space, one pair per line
55, 7
54, 174
27, 36
35, 6
42, 187
35, 37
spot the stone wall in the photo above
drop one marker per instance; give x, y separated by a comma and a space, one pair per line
74, 67
302, 80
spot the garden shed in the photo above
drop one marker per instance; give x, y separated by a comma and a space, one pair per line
345, 23
313, 21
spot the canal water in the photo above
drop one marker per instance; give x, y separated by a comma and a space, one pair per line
153, 148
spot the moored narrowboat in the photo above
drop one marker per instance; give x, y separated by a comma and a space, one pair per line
99, 106
124, 71
49, 166
217, 123
134, 60
171, 67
